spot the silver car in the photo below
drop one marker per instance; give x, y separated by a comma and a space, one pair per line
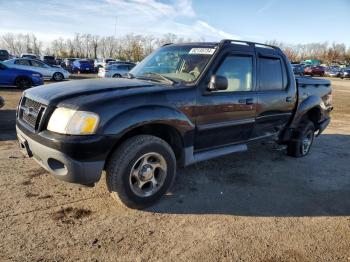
114, 70
49, 72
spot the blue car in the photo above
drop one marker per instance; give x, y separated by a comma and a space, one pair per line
19, 77
82, 66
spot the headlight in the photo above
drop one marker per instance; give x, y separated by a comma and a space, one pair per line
72, 122
36, 75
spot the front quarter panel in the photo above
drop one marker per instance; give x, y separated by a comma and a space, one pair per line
128, 120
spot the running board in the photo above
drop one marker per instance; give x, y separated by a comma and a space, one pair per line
191, 158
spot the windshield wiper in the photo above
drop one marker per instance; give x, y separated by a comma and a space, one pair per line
166, 79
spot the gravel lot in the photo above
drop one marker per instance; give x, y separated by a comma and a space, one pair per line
259, 205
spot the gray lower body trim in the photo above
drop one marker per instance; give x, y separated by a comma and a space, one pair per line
191, 157
59, 164
226, 124
273, 115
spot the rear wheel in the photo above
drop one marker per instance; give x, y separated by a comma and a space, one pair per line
140, 171
23, 82
302, 140
117, 76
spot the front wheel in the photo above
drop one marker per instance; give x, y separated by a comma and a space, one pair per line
302, 140
58, 76
23, 83
140, 171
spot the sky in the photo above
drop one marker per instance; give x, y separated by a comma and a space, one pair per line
293, 21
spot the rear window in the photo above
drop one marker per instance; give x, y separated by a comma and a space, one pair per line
270, 74
3, 52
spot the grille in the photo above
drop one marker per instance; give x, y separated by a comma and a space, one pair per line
31, 103
30, 112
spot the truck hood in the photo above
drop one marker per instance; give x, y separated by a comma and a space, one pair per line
56, 93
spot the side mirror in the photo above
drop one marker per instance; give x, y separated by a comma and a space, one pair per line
217, 83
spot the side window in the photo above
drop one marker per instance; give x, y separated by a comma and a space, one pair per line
239, 73
271, 74
122, 67
37, 64
22, 62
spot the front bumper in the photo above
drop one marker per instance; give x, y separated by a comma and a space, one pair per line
66, 74
37, 81
59, 164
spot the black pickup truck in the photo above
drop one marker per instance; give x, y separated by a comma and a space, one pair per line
182, 104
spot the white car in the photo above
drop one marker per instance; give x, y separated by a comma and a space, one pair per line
114, 70
102, 62
49, 72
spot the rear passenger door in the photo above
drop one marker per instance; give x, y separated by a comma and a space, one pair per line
40, 67
275, 99
22, 64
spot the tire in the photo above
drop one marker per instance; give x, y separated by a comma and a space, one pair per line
117, 76
302, 140
57, 76
23, 82
135, 173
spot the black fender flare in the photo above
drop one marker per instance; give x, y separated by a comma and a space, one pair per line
310, 103
133, 118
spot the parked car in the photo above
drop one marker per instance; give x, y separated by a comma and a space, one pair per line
102, 62
4, 55
68, 63
19, 77
345, 73
314, 70
2, 101
49, 72
298, 69
59, 61
115, 70
332, 71
30, 56
48, 59
82, 66
182, 104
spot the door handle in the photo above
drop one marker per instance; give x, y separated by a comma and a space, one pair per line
247, 101
289, 99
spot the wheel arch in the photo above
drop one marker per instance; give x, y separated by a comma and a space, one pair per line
309, 108
163, 122
22, 77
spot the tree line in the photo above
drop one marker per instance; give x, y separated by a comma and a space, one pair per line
135, 47
334, 53
129, 47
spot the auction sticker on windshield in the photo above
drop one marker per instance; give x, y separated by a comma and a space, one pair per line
202, 51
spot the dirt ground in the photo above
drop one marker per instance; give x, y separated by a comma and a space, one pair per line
260, 205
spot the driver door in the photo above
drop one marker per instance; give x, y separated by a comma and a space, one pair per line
227, 117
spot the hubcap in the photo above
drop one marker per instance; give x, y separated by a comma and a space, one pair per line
307, 141
148, 174
58, 77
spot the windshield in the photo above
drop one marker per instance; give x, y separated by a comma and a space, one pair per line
177, 63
